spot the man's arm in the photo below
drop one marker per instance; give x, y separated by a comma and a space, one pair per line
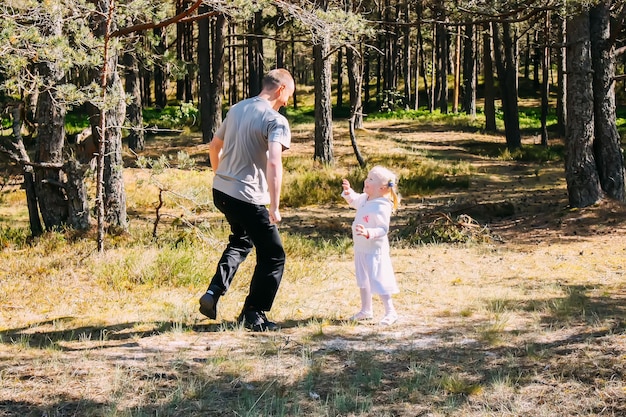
274, 178
215, 146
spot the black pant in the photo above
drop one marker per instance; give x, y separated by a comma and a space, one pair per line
250, 226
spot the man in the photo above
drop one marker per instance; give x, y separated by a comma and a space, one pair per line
245, 154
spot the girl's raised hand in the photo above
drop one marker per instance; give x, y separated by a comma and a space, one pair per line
345, 184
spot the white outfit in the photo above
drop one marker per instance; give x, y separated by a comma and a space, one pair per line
372, 259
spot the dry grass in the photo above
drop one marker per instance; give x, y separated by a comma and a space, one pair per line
529, 323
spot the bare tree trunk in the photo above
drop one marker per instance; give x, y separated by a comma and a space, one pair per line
51, 136
293, 67
108, 134
545, 85
233, 92
217, 80
339, 78
441, 70
180, 41
607, 143
490, 107
160, 78
406, 59
366, 79
255, 54
204, 70
190, 75
134, 110
561, 80
355, 82
456, 93
507, 76
583, 183
36, 228
323, 102
469, 72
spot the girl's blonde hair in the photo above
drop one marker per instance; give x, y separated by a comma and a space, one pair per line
389, 179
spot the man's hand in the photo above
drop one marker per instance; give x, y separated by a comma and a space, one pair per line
274, 215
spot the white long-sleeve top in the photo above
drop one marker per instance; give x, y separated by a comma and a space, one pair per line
375, 215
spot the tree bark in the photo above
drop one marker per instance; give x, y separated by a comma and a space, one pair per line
583, 183
255, 54
507, 76
607, 143
545, 85
406, 58
51, 136
339, 78
490, 107
323, 102
134, 110
469, 72
217, 80
110, 140
355, 83
160, 78
204, 70
36, 227
561, 80
441, 69
456, 91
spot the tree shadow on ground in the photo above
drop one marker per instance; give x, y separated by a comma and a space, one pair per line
366, 370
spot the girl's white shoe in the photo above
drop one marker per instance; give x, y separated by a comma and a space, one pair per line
362, 315
389, 319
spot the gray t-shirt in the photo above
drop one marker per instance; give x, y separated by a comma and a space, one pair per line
246, 131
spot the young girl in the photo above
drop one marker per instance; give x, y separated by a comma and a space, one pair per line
374, 272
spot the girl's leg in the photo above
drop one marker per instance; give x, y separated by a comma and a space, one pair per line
390, 312
366, 305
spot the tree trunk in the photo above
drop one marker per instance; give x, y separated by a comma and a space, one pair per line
366, 79
469, 72
160, 78
561, 80
456, 91
134, 110
490, 107
255, 54
441, 69
323, 102
537, 61
49, 182
36, 228
339, 78
507, 75
293, 67
146, 84
583, 184
204, 70
190, 75
406, 58
607, 143
217, 80
233, 91
77, 195
180, 40
545, 85
355, 82
114, 194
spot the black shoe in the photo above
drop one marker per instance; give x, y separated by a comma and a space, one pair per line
208, 305
257, 321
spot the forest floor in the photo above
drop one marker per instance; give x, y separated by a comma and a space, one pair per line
529, 321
